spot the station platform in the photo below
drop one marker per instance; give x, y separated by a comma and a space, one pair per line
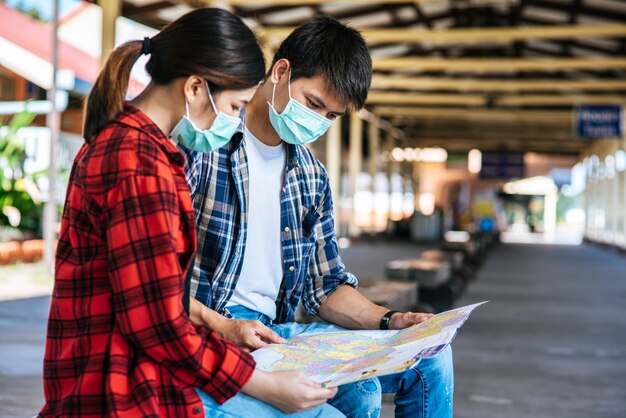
551, 343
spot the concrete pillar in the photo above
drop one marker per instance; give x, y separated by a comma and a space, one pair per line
390, 169
614, 183
354, 165
583, 160
111, 9
622, 209
593, 194
610, 190
549, 215
333, 166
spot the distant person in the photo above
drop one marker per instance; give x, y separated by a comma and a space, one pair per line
266, 236
119, 342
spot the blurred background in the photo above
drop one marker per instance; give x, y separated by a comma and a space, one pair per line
488, 164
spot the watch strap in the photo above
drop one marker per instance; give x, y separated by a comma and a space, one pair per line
384, 321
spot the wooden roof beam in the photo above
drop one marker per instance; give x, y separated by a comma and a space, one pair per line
556, 117
497, 65
477, 100
471, 36
380, 81
293, 3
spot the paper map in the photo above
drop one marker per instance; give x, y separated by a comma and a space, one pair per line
336, 358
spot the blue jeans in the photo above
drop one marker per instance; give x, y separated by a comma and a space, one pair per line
244, 406
424, 391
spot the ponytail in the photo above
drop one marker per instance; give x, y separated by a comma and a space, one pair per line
211, 43
106, 98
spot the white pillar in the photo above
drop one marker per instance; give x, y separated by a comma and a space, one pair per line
549, 216
53, 121
614, 203
111, 9
355, 156
622, 210
333, 166
374, 155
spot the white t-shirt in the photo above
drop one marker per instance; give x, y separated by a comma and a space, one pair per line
262, 269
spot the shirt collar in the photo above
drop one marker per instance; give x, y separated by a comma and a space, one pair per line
294, 156
135, 118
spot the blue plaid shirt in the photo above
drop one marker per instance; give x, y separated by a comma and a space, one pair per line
312, 268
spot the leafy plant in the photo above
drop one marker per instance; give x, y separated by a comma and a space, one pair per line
20, 197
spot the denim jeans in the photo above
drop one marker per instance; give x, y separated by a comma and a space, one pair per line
244, 406
425, 391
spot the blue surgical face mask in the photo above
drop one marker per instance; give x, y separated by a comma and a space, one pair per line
219, 133
297, 124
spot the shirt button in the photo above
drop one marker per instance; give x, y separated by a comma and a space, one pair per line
287, 229
196, 410
292, 268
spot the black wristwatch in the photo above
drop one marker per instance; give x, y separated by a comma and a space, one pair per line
384, 321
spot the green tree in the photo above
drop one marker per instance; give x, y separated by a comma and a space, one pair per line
20, 197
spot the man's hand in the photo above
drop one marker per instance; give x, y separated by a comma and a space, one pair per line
247, 335
407, 319
289, 391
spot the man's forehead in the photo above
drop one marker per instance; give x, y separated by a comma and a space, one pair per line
319, 88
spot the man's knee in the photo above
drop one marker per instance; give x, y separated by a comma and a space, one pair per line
359, 399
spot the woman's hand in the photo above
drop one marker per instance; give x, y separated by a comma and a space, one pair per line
289, 391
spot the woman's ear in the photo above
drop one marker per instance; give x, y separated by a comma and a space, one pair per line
279, 70
193, 87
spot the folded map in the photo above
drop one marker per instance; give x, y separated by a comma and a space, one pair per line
339, 357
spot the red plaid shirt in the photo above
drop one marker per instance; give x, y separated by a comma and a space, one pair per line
119, 340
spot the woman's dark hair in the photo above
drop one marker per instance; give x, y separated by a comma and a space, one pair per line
211, 43
324, 46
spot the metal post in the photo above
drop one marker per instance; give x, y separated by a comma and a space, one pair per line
53, 121
333, 166
355, 154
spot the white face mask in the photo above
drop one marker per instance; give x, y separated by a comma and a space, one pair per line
219, 133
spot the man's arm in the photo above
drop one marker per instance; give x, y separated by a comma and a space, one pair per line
326, 270
247, 335
348, 308
330, 290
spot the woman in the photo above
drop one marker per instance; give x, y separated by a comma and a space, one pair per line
119, 339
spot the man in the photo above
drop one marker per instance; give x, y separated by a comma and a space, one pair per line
265, 221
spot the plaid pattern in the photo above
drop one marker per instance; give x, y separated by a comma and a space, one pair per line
119, 341
311, 264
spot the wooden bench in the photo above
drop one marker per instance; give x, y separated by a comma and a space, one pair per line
428, 273
455, 258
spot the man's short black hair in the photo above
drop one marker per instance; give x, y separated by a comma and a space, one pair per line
324, 46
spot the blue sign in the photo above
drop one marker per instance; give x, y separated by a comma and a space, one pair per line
599, 121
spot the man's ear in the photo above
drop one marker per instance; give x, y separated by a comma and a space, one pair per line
279, 70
